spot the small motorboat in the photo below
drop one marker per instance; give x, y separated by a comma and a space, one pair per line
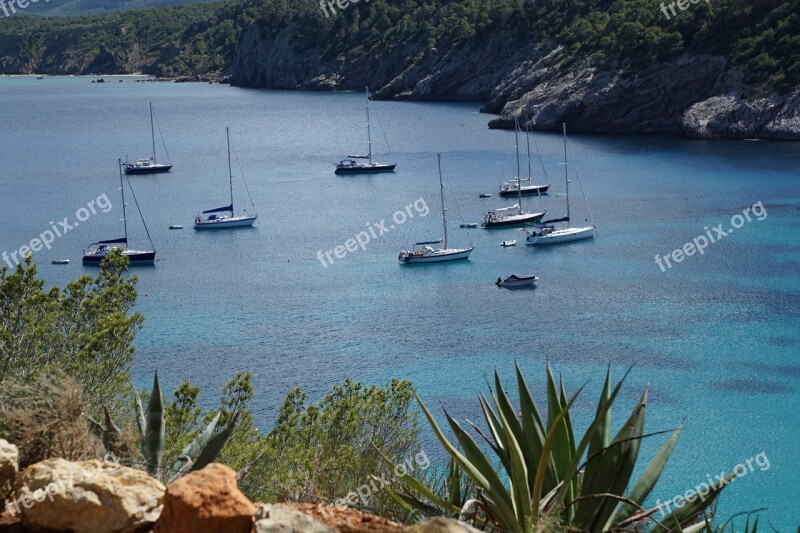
514, 281
176, 226
469, 225
485, 195
60, 261
506, 244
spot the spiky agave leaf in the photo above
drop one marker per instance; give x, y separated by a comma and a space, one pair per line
498, 500
644, 485
611, 471
214, 446
112, 434
193, 449
154, 429
140, 420
552, 437
691, 511
587, 437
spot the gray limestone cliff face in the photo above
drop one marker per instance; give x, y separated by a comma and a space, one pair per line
696, 96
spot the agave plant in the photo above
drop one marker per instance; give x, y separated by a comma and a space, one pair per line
444, 494
202, 451
543, 473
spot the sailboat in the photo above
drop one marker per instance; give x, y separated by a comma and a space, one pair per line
148, 166
212, 219
513, 189
547, 233
353, 166
424, 252
98, 251
493, 219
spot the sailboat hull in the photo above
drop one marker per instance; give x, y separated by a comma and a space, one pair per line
134, 256
526, 191
227, 222
437, 256
150, 169
513, 220
365, 169
561, 236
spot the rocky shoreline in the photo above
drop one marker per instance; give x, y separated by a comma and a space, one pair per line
697, 96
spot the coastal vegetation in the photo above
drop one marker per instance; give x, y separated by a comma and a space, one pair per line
199, 39
66, 391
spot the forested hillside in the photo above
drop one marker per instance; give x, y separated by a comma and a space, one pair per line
504, 52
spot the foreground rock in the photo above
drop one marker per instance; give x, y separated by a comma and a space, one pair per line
441, 525
9, 461
347, 520
279, 518
86, 497
208, 500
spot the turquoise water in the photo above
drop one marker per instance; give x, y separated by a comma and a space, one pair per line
716, 337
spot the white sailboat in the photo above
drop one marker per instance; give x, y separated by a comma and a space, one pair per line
148, 166
424, 252
547, 233
494, 219
215, 218
353, 166
97, 251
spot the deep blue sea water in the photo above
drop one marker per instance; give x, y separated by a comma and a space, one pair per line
716, 338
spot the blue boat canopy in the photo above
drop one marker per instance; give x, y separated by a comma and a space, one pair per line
114, 241
427, 242
220, 209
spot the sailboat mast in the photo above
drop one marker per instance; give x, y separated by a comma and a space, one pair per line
152, 132
230, 171
528, 145
441, 190
369, 134
519, 179
566, 172
124, 215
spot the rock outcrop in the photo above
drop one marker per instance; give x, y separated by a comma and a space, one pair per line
441, 525
346, 519
9, 463
279, 518
208, 500
86, 497
697, 95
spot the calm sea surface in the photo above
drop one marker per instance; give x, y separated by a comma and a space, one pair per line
716, 337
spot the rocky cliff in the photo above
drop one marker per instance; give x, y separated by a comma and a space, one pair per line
696, 96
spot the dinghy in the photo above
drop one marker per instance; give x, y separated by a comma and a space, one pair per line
514, 281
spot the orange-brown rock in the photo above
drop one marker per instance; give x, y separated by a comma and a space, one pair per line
208, 500
347, 520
